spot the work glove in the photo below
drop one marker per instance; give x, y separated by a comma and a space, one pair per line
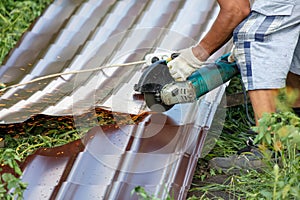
184, 65
231, 57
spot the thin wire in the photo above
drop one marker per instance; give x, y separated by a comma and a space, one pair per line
72, 72
251, 121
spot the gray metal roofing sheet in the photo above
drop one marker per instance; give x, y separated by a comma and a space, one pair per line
161, 152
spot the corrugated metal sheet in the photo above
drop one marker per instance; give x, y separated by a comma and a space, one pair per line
161, 152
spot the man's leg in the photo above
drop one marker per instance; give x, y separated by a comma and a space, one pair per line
265, 51
293, 82
263, 101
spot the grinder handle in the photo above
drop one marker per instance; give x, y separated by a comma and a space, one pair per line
213, 75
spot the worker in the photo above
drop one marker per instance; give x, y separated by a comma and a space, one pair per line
267, 51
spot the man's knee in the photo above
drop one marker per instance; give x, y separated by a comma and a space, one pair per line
293, 80
293, 87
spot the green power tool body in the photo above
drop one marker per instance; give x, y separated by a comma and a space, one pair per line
161, 92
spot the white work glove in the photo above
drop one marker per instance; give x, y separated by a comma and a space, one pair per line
231, 57
184, 65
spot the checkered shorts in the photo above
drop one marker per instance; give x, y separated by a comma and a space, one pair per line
267, 44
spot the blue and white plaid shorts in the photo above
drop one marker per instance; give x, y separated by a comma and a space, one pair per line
267, 44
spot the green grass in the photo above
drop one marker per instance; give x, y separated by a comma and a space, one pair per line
279, 137
276, 182
15, 18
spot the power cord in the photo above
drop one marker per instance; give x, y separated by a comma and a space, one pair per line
3, 87
250, 120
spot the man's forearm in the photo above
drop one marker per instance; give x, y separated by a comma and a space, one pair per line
230, 15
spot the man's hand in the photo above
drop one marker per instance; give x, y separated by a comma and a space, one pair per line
184, 65
231, 57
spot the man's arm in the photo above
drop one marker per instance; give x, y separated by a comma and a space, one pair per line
232, 12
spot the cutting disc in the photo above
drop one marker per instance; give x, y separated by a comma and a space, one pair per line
152, 101
154, 78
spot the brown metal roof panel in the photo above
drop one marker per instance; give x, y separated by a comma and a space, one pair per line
137, 168
115, 190
78, 191
125, 154
59, 8
130, 164
17, 95
53, 166
118, 191
89, 169
48, 168
137, 162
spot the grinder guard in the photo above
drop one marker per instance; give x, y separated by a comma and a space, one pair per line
155, 77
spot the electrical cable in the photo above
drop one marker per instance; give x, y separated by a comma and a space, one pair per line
3, 88
250, 120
